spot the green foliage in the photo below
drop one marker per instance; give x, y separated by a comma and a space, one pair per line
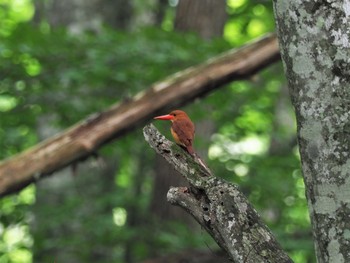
44, 76
15, 240
13, 12
247, 20
47, 71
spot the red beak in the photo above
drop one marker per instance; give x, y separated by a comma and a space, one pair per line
165, 117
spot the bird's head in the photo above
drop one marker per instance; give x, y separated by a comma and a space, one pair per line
174, 115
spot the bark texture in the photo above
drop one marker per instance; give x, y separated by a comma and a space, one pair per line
218, 206
86, 137
315, 47
205, 17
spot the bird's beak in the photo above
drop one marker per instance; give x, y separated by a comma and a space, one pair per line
164, 117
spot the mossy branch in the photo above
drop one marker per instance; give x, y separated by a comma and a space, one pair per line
219, 206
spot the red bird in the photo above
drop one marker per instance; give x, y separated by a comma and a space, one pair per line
182, 129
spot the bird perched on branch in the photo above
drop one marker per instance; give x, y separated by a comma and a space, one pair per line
182, 129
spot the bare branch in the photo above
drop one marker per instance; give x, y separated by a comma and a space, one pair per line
219, 206
87, 136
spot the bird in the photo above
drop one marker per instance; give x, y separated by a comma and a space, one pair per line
182, 129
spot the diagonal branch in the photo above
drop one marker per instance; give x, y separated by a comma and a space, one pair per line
87, 136
219, 206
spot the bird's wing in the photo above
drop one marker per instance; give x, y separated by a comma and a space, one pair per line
184, 130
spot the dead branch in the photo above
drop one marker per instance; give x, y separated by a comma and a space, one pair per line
219, 207
87, 136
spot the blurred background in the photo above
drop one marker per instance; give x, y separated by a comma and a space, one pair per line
62, 60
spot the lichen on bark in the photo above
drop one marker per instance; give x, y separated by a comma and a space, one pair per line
314, 43
219, 206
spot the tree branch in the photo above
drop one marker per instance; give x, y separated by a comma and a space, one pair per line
87, 136
219, 206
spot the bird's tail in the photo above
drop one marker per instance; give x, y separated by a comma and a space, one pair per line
198, 159
202, 163
190, 150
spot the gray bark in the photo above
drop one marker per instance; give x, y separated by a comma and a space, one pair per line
220, 207
315, 48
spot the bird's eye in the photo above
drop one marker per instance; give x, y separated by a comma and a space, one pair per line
174, 115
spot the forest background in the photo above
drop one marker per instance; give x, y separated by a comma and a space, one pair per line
61, 61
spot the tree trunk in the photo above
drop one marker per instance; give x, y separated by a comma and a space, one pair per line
65, 207
281, 141
205, 17
315, 47
78, 15
196, 16
160, 11
67, 239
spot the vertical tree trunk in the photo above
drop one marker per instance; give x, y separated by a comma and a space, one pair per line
205, 17
65, 207
199, 16
82, 15
66, 196
315, 47
160, 11
282, 142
